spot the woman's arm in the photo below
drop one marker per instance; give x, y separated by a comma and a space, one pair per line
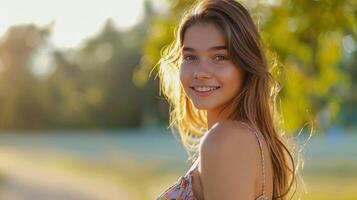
229, 156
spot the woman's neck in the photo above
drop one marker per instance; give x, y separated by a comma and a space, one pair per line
214, 116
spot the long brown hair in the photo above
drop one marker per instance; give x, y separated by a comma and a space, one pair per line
254, 104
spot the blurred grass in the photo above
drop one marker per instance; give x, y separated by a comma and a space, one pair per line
138, 180
331, 187
331, 179
324, 180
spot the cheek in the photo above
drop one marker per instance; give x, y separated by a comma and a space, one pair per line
185, 75
237, 81
232, 78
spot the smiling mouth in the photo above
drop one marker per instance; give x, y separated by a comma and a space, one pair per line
203, 89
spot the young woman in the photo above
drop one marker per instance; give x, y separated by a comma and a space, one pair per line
217, 80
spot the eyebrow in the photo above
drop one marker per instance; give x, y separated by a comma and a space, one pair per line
215, 48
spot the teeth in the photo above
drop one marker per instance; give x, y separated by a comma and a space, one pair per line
204, 89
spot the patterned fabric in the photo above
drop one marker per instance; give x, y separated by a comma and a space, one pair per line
180, 190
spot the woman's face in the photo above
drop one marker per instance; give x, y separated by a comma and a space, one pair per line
207, 74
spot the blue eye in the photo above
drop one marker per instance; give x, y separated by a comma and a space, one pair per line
220, 58
189, 58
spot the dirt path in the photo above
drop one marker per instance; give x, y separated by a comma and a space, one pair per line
24, 179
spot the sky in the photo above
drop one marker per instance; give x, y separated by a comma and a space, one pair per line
74, 20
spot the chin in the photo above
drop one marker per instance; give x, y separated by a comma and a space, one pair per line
201, 106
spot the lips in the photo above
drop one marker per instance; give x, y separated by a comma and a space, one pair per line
204, 90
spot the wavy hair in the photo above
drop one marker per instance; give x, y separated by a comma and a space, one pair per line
254, 104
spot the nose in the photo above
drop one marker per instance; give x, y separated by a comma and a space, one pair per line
202, 70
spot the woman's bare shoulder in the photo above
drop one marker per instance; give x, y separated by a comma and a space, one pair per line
227, 140
229, 154
228, 132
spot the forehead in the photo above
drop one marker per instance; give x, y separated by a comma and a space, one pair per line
203, 36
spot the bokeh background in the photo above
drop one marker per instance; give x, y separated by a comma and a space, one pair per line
81, 116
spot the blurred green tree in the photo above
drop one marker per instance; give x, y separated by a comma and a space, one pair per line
92, 85
20, 102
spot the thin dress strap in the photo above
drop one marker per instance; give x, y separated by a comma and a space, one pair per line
262, 156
